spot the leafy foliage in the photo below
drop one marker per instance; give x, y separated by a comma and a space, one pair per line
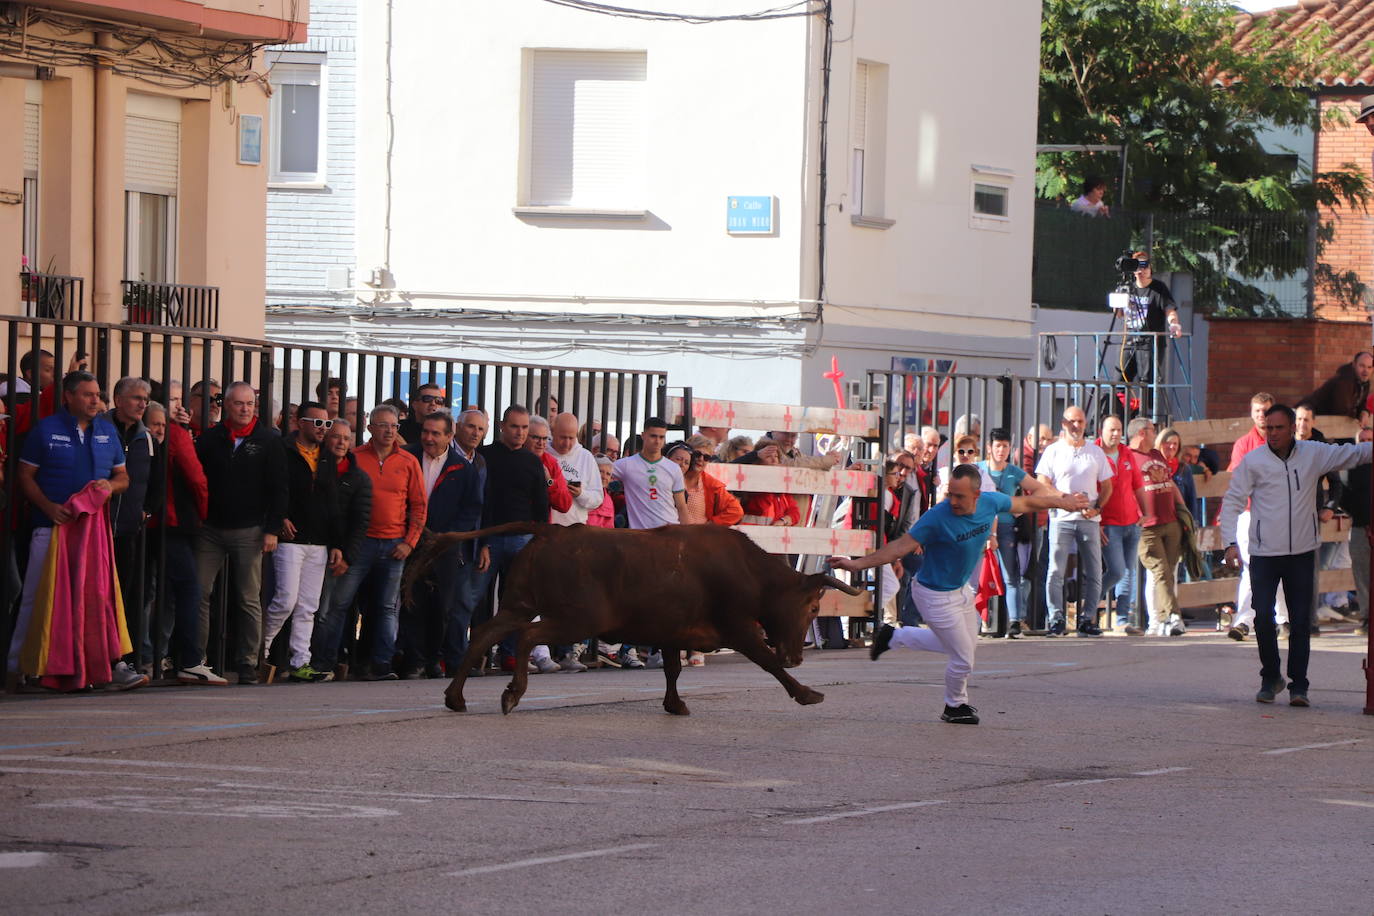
1164, 77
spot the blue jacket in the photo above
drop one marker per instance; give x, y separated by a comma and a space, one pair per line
455, 503
65, 462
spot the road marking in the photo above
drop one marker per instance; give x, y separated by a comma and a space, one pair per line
1161, 772
25, 747
1082, 782
862, 812
190, 805
1353, 804
1311, 747
23, 859
148, 764
550, 860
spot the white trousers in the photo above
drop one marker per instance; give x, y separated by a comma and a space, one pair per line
951, 628
38, 554
1245, 611
300, 579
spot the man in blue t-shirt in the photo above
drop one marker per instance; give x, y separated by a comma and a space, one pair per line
951, 536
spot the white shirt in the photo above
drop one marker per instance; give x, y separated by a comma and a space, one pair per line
431, 467
1074, 470
579, 465
1087, 207
649, 489
985, 482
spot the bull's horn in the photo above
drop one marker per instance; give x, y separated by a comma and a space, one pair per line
842, 586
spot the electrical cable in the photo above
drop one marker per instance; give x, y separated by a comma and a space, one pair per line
791, 10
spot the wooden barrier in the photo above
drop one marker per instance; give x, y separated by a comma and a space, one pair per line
1218, 432
1338, 529
761, 478
748, 415
822, 542
1221, 591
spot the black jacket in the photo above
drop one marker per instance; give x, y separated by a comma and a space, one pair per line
1341, 395
517, 487
354, 492
146, 478
312, 502
247, 484
1355, 499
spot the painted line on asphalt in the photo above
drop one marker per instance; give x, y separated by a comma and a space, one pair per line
23, 859
1162, 771
862, 812
149, 764
1311, 747
1351, 803
550, 860
1083, 782
25, 747
400, 796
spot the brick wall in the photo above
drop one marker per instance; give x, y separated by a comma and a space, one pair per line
311, 230
1287, 357
1352, 246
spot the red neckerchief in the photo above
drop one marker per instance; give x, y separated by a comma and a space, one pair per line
244, 432
343, 464
1173, 465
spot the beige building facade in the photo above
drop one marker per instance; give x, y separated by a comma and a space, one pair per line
140, 171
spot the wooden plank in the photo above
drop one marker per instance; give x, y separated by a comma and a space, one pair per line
1338, 529
749, 415
835, 603
824, 542
1220, 591
1222, 432
1214, 486
760, 478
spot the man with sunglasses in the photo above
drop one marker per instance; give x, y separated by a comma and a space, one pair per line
428, 398
205, 396
309, 537
1072, 464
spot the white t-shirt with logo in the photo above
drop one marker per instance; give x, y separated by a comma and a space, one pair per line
649, 488
1074, 470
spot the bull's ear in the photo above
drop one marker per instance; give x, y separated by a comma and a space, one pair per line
823, 580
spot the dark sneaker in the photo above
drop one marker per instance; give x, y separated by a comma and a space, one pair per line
882, 641
1267, 692
433, 671
247, 675
963, 714
1057, 628
1316, 630
1089, 629
1239, 632
1014, 630
1298, 699
1132, 630
381, 674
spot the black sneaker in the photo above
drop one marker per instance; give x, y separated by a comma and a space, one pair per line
1089, 629
1014, 630
1239, 632
1267, 692
381, 674
247, 675
1297, 699
963, 714
882, 641
1058, 628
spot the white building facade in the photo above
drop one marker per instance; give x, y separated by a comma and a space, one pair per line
733, 202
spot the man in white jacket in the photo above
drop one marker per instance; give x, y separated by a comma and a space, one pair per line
579, 469
1279, 480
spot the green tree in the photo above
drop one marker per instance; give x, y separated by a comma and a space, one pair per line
1164, 78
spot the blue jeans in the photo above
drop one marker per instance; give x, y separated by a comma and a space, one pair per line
375, 555
1121, 556
503, 549
1009, 558
1088, 536
458, 590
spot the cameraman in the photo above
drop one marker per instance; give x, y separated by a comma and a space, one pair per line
1150, 309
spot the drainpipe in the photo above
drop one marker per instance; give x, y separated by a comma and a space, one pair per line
106, 186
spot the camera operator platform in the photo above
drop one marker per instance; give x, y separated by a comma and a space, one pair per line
1149, 312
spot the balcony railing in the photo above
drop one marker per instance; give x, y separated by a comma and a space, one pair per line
171, 305
53, 296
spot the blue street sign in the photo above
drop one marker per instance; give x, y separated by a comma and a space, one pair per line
749, 215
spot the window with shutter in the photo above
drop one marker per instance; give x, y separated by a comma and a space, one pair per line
585, 138
868, 142
298, 121
32, 120
152, 172
860, 136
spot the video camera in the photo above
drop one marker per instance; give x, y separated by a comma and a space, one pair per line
1127, 265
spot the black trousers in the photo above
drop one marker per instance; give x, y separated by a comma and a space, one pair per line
1297, 573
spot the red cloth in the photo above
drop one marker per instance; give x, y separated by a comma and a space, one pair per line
78, 630
182, 462
603, 516
1122, 507
560, 497
1244, 446
1159, 496
244, 431
990, 582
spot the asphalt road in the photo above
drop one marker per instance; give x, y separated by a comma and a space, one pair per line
1109, 776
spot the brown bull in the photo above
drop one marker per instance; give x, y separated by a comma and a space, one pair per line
679, 587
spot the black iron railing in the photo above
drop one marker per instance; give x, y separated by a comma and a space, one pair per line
171, 305
53, 296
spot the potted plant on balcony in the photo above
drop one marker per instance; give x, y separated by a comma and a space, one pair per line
144, 303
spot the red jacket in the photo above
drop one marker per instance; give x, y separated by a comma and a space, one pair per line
721, 506
560, 497
1122, 507
184, 466
773, 506
399, 507
1244, 446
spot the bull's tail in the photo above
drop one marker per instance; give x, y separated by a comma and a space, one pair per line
432, 546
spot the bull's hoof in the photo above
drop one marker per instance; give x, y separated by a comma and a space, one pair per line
508, 702
677, 709
455, 703
809, 697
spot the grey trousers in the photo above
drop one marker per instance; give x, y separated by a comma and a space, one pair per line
1359, 567
241, 548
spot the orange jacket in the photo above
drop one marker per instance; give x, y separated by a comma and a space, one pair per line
721, 506
399, 507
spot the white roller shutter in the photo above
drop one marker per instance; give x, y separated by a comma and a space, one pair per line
587, 139
860, 117
32, 119
151, 155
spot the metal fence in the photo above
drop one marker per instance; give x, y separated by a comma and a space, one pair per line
614, 401
171, 305
53, 296
1262, 265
